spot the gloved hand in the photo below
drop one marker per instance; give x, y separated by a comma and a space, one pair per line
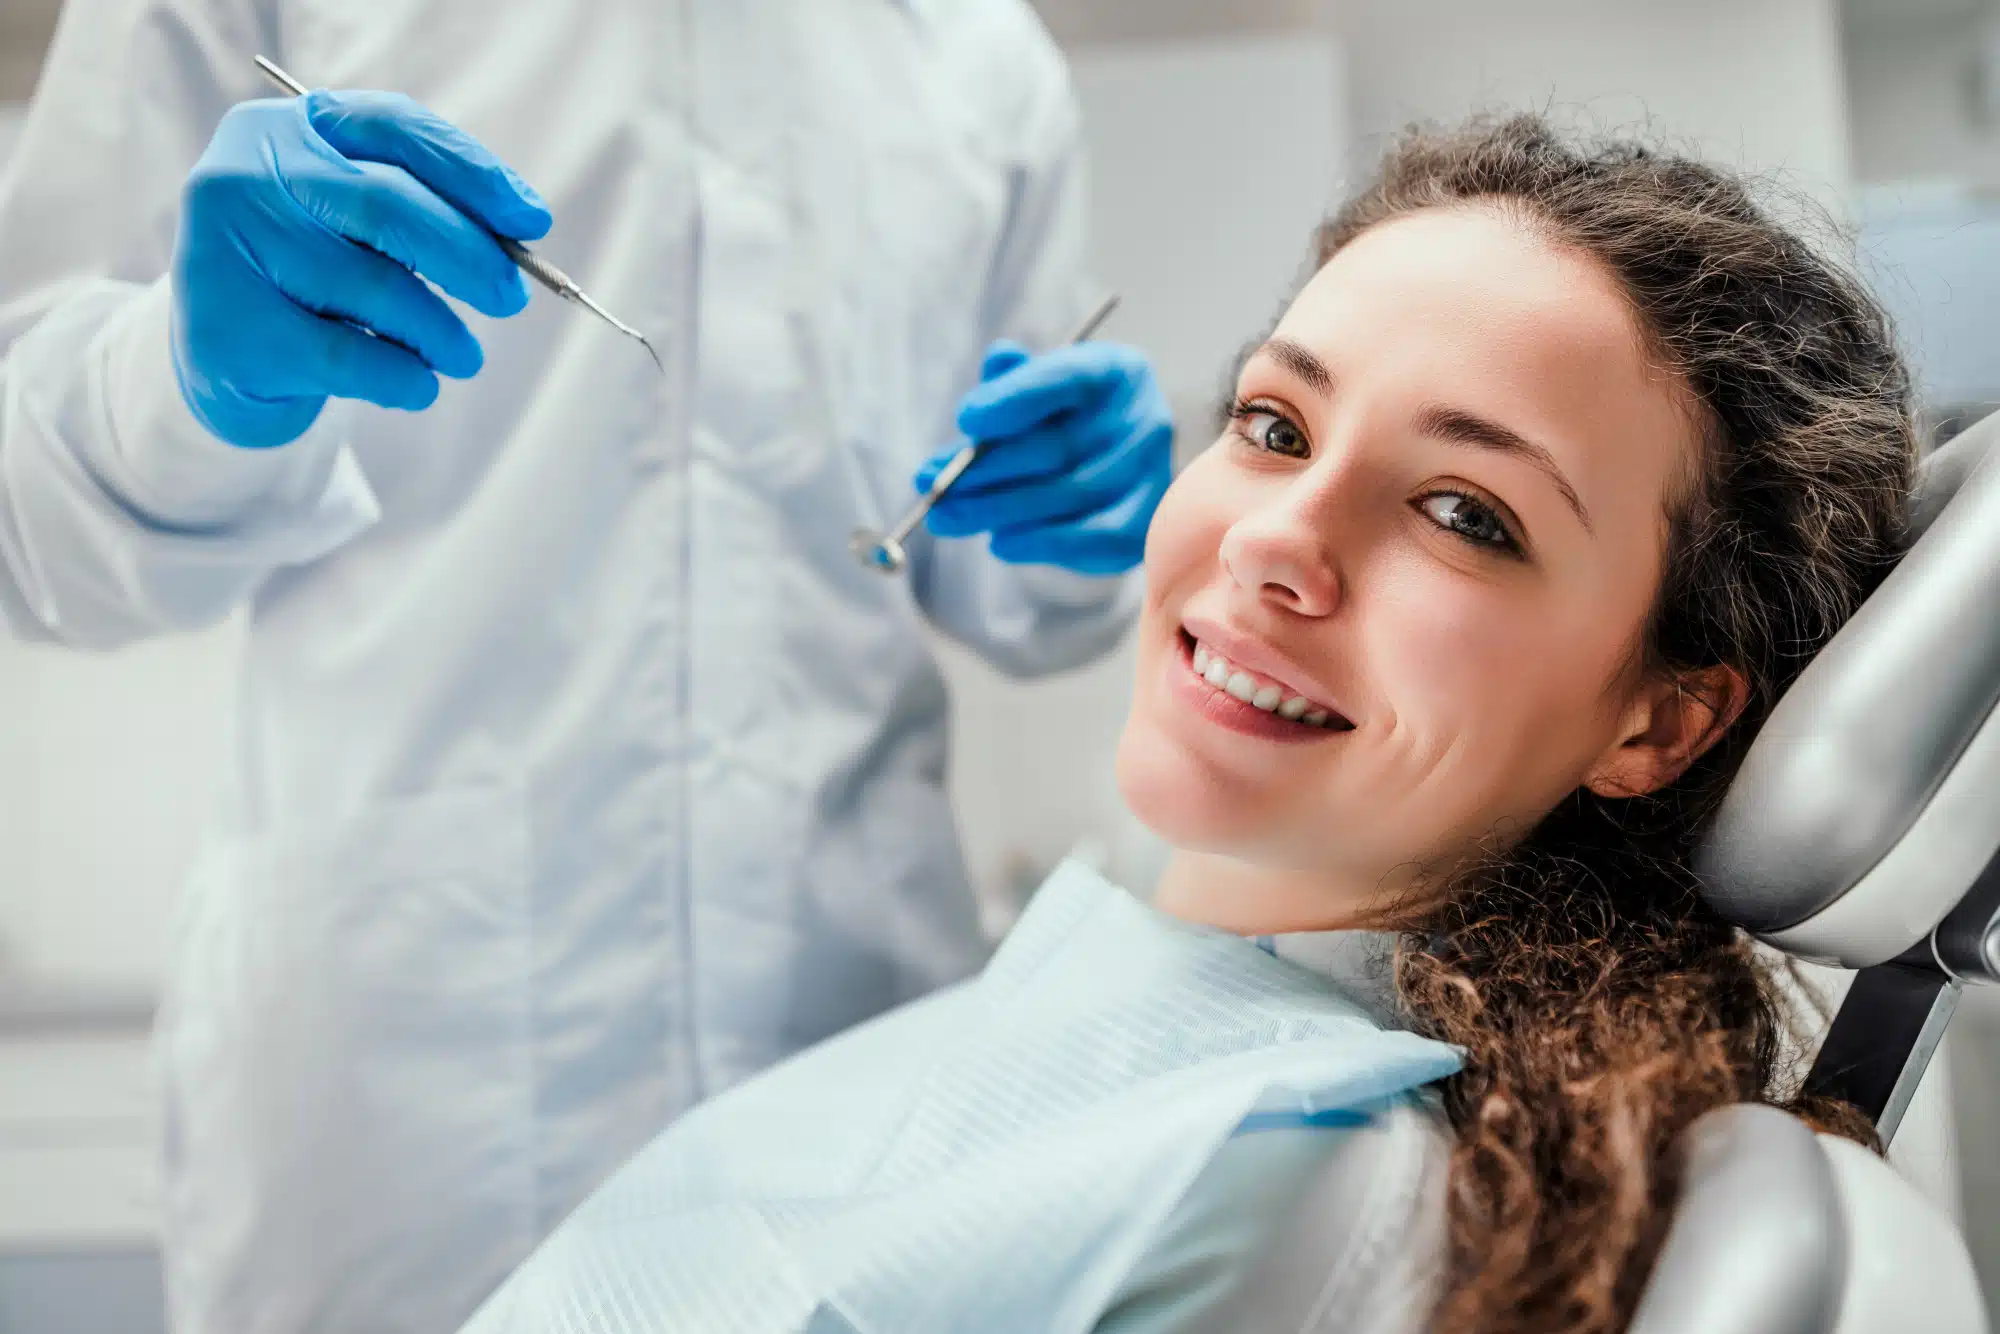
1076, 451
306, 222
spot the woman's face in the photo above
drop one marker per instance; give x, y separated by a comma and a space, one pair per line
1438, 518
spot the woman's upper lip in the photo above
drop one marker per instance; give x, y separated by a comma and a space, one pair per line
1254, 655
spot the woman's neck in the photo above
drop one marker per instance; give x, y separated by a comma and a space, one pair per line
1257, 900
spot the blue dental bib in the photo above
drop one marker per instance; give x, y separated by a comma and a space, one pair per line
994, 1158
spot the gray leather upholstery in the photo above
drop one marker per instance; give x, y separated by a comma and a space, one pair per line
1845, 769
1781, 1231
1863, 825
1758, 1244
1908, 1271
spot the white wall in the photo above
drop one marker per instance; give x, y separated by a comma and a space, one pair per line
109, 767
1754, 83
1083, 23
1927, 146
1910, 75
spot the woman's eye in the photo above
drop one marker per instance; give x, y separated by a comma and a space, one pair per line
1269, 431
1470, 519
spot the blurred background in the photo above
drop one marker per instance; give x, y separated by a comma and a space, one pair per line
1220, 132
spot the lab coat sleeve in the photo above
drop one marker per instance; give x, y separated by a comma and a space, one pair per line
120, 517
1031, 620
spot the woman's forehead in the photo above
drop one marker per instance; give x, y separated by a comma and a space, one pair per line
1476, 310
1477, 274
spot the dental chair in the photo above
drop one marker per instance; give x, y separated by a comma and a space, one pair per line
1863, 831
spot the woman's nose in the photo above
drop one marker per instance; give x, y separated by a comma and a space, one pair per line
1276, 557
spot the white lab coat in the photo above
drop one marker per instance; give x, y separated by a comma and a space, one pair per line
579, 771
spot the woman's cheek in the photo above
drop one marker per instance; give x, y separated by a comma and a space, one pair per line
1451, 653
1188, 527
1168, 535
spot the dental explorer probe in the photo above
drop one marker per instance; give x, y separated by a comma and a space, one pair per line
543, 272
884, 551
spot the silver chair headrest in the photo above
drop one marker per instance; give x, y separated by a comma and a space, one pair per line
1869, 806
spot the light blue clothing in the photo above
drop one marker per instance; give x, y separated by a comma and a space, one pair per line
579, 771
1306, 1229
997, 1158
1200, 1256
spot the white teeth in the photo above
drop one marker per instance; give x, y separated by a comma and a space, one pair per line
1215, 669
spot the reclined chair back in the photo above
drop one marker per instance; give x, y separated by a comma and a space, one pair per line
1863, 827
1781, 1231
1863, 831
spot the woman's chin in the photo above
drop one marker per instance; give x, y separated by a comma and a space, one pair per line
1177, 797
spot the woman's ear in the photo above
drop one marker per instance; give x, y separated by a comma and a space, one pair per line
1671, 722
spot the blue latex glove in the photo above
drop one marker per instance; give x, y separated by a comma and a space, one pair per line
306, 223
1076, 451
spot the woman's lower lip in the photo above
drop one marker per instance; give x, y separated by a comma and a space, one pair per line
1225, 710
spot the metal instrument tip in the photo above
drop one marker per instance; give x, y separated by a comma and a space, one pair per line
582, 298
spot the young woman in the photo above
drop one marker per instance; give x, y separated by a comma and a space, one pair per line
1559, 468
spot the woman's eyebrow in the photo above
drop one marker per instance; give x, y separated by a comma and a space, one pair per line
1452, 425
1455, 426
1300, 361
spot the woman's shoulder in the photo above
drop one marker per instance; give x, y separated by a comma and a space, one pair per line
1302, 1229
1361, 1248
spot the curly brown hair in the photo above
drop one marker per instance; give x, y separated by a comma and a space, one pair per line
1601, 1004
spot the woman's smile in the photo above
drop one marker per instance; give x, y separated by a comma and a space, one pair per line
1215, 675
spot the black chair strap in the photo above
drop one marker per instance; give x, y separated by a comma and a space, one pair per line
1882, 1039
